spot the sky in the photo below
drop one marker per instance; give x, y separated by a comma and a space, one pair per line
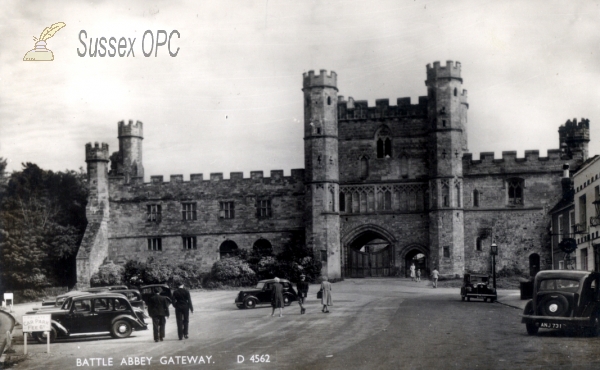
231, 99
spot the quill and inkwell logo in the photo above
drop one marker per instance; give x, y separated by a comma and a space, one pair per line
40, 52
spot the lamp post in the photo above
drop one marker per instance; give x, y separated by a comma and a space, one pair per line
494, 253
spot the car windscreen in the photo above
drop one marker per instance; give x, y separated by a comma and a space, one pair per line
565, 285
479, 279
260, 285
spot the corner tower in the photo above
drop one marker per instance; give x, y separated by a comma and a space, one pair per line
447, 117
322, 169
129, 159
94, 245
574, 138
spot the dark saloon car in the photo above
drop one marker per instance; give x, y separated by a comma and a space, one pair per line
478, 286
93, 313
58, 300
262, 294
148, 291
564, 299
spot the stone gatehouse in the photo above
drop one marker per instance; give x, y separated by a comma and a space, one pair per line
383, 186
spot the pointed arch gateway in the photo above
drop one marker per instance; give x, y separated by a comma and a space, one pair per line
369, 252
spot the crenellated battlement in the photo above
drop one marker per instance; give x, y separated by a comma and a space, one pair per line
451, 70
96, 152
360, 109
574, 129
131, 129
509, 162
276, 176
321, 80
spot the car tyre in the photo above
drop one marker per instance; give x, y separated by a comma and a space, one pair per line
286, 300
40, 337
121, 329
250, 303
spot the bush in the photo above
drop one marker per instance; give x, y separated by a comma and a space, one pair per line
137, 273
233, 272
108, 274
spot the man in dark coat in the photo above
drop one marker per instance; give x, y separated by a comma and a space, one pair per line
183, 306
302, 292
158, 310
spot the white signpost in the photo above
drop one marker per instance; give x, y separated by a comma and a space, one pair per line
33, 323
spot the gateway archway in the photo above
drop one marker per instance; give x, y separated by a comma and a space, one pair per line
369, 254
419, 258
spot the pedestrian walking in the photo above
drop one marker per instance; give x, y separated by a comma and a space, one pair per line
183, 306
302, 287
434, 275
419, 275
277, 297
326, 294
158, 310
412, 272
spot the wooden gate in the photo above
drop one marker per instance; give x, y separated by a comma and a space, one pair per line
374, 264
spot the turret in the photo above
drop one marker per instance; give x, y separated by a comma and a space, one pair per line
128, 161
96, 158
574, 138
322, 169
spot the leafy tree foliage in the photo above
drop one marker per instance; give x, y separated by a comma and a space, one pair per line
108, 274
42, 221
138, 273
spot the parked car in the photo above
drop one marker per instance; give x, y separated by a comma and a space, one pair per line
133, 296
93, 313
148, 291
564, 299
262, 294
478, 286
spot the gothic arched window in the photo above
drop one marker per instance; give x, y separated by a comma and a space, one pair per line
384, 142
515, 191
475, 198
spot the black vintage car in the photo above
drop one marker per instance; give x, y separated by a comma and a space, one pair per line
262, 294
93, 313
564, 299
58, 300
478, 286
148, 291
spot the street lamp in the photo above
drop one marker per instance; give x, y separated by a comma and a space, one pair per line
494, 253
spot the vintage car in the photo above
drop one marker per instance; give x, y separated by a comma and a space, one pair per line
93, 313
148, 290
478, 286
262, 294
133, 296
564, 299
58, 300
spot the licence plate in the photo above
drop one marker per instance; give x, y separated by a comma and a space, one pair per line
551, 325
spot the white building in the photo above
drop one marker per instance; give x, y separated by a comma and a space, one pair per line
587, 220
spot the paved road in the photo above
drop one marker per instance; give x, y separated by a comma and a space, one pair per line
374, 324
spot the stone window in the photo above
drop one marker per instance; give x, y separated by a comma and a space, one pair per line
458, 197
189, 242
515, 191
342, 202
582, 213
332, 199
188, 211
364, 168
155, 244
446, 251
323, 256
455, 91
584, 259
329, 100
479, 243
476, 198
227, 249
153, 213
384, 143
264, 208
227, 210
445, 195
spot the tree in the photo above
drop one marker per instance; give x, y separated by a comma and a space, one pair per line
42, 222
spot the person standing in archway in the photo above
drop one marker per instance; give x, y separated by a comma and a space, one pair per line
412, 272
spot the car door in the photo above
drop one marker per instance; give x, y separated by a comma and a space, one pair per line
265, 295
80, 318
104, 310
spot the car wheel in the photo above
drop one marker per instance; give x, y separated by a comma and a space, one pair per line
286, 300
556, 305
250, 303
40, 336
121, 329
532, 329
492, 299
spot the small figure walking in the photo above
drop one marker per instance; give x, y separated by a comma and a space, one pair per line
435, 274
183, 307
277, 297
412, 272
326, 295
302, 287
158, 310
419, 275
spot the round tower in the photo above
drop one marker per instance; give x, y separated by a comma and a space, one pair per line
130, 149
447, 117
97, 159
322, 169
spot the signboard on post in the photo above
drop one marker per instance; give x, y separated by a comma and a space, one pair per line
33, 323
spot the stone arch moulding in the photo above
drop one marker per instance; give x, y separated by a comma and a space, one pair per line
349, 237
